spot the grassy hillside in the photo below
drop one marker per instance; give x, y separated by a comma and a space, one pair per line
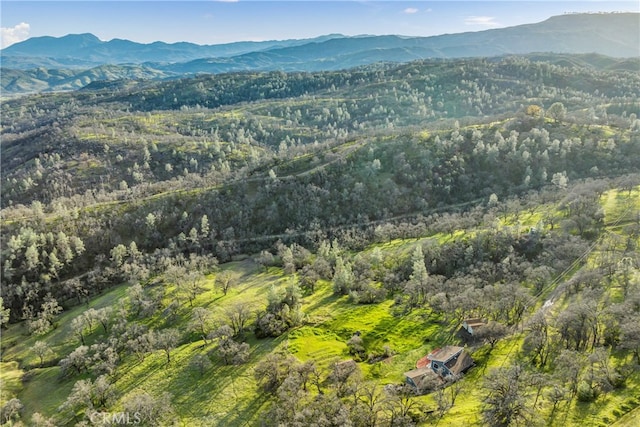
229, 395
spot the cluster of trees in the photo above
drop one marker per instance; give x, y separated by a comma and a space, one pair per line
305, 395
577, 348
94, 398
282, 311
109, 336
35, 262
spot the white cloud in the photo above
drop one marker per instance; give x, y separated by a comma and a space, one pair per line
11, 35
411, 10
482, 21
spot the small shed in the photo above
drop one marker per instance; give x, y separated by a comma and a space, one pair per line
472, 325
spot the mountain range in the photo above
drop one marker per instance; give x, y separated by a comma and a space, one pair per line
73, 61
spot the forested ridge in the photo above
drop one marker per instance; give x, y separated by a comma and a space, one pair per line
206, 250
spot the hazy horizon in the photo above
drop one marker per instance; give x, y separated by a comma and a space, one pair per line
219, 22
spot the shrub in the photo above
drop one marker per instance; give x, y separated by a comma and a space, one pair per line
586, 393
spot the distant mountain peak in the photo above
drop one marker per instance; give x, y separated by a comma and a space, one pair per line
48, 46
87, 37
614, 35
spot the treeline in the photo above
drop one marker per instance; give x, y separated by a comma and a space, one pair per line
375, 182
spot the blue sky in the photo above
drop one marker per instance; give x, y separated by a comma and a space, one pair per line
214, 22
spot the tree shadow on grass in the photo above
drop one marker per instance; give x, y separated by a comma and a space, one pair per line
590, 412
242, 414
323, 302
225, 395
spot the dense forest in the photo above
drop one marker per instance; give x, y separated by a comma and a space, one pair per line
280, 248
